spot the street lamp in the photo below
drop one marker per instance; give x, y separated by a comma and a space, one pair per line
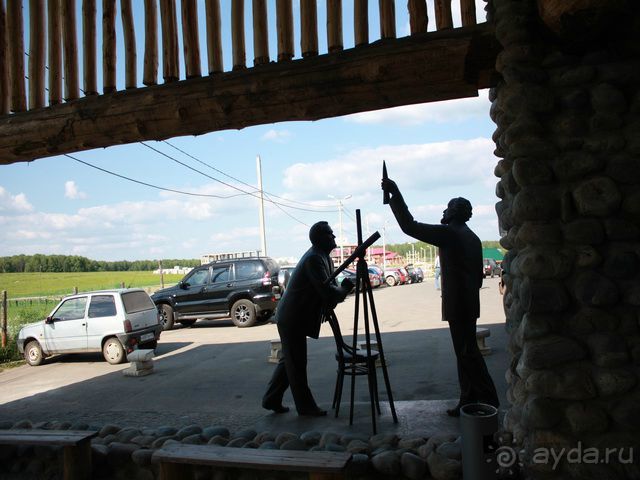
340, 200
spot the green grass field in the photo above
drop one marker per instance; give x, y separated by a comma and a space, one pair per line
20, 285
55, 286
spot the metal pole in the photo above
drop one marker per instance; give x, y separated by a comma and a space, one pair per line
384, 248
263, 237
341, 240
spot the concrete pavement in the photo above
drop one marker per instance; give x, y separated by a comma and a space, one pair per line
215, 374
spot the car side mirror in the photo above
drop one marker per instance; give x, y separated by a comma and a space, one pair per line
49, 320
183, 285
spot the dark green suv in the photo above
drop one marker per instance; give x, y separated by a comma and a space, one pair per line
245, 289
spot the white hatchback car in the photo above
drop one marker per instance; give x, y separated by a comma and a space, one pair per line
113, 322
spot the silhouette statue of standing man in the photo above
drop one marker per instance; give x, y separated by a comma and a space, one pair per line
299, 315
461, 274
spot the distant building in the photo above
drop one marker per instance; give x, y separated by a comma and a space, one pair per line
176, 270
213, 257
375, 255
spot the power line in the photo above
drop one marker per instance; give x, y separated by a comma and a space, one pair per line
241, 181
244, 192
149, 184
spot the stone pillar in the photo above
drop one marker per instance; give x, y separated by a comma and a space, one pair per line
567, 111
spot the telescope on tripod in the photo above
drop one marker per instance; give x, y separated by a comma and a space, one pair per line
353, 360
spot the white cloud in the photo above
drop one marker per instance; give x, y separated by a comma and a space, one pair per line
438, 112
14, 203
279, 136
71, 191
421, 166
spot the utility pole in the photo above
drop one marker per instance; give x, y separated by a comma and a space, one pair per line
340, 200
384, 247
263, 237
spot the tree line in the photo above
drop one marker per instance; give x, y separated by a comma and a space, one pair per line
405, 248
75, 263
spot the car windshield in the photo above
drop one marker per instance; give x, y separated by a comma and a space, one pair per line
137, 302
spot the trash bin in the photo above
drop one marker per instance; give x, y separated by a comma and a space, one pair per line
478, 423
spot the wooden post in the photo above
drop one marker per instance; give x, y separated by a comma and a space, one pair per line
418, 18
443, 14
361, 22
75, 290
387, 19
468, 12
190, 42
4, 70
309, 27
130, 56
36, 53
150, 76
70, 49
284, 24
237, 34
15, 31
77, 460
169, 22
161, 274
89, 47
214, 36
108, 46
260, 33
4, 318
334, 25
55, 56
122, 285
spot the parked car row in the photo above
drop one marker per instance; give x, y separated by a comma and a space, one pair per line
403, 275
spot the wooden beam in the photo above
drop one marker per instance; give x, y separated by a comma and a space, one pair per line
15, 34
89, 47
130, 55
36, 53
361, 22
214, 36
108, 46
260, 33
150, 75
284, 26
190, 42
55, 54
421, 68
70, 49
5, 91
237, 35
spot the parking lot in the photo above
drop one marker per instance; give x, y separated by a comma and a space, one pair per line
215, 373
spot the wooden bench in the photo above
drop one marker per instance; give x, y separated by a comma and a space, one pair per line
175, 460
76, 444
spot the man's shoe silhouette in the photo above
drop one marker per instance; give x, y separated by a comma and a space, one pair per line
317, 412
276, 408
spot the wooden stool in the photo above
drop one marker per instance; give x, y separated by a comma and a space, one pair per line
276, 351
481, 334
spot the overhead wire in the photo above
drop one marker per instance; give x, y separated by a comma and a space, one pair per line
253, 194
241, 181
124, 177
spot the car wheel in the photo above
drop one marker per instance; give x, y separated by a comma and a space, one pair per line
166, 316
243, 313
187, 323
391, 281
33, 353
113, 351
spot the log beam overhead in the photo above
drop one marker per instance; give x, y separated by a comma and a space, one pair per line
422, 68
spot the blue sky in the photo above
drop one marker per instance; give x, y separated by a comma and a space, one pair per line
434, 151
